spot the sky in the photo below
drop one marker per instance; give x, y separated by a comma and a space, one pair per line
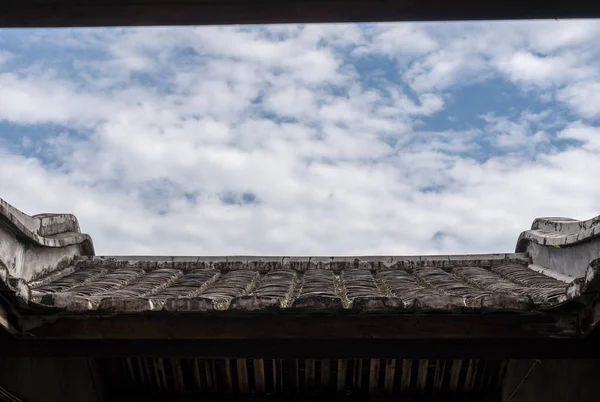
339, 139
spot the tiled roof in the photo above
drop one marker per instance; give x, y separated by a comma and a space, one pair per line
48, 267
291, 284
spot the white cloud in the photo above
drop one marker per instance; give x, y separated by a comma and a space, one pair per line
173, 120
515, 134
547, 36
399, 40
583, 97
589, 136
544, 71
45, 99
540, 53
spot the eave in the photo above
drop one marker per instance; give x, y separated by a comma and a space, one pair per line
58, 298
91, 13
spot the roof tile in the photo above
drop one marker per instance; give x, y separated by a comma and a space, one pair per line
298, 284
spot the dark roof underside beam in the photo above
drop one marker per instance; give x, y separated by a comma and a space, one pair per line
299, 349
82, 13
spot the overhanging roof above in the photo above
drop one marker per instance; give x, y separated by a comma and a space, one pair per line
79, 13
52, 285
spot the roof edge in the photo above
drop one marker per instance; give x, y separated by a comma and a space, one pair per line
556, 232
588, 284
46, 230
564, 245
34, 246
315, 258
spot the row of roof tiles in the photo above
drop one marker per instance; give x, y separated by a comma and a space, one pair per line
369, 285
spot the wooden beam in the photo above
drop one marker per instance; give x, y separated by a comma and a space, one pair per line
79, 13
311, 349
490, 396
280, 326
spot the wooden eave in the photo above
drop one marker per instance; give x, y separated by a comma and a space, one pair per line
493, 335
92, 13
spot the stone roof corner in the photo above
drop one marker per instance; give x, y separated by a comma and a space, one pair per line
34, 246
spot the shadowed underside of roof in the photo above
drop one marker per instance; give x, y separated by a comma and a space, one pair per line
310, 377
69, 13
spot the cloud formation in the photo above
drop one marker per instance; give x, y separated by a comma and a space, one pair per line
303, 140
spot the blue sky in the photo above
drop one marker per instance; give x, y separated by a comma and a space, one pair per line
303, 140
